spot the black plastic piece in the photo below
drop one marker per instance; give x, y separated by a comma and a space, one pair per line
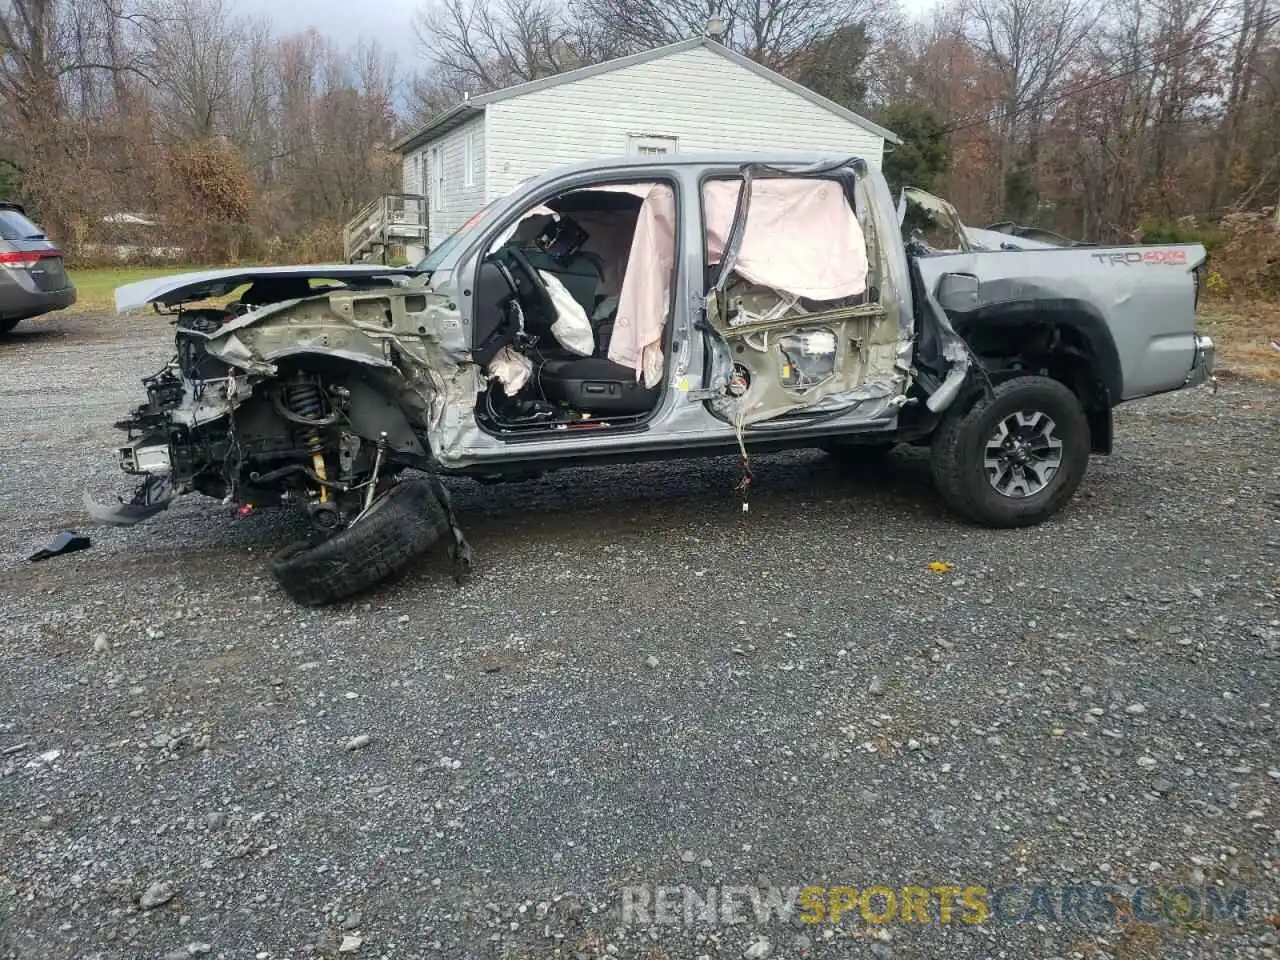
596, 385
68, 541
562, 239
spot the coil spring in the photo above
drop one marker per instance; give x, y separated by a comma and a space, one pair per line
305, 400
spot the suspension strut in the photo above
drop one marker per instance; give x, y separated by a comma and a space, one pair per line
306, 401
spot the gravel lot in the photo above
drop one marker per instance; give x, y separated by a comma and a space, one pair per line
640, 685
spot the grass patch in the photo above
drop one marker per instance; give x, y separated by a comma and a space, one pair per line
1243, 334
96, 286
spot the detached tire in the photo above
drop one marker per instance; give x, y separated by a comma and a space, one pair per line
401, 525
1014, 457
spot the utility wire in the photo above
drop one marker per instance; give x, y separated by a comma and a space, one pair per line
967, 123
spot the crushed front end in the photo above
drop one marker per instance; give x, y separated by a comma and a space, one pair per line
318, 401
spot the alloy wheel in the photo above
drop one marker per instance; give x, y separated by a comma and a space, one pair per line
1022, 454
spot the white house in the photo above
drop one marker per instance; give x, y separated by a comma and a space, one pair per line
692, 95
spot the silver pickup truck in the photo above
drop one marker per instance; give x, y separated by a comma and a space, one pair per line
639, 308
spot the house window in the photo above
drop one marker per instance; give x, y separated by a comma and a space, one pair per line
644, 145
437, 179
469, 159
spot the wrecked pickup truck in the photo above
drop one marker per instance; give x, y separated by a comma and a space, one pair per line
647, 307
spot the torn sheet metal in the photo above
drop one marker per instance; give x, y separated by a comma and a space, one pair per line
153, 496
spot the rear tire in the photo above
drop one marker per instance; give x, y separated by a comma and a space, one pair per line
401, 526
1016, 456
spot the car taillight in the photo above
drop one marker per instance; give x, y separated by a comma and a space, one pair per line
25, 258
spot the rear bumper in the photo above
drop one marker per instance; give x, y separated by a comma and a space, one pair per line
20, 298
1201, 363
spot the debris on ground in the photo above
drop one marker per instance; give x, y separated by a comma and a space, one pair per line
68, 541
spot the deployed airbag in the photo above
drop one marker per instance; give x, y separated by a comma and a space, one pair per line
571, 327
802, 238
511, 369
646, 288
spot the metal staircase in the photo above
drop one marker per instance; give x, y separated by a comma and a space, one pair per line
398, 220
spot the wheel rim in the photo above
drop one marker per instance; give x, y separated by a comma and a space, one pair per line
1023, 454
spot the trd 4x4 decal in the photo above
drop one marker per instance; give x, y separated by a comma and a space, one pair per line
1142, 256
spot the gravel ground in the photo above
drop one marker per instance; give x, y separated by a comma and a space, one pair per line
640, 686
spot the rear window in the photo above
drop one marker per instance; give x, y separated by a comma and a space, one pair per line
14, 226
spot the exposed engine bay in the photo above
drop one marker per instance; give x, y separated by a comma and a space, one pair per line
313, 429
320, 400
289, 440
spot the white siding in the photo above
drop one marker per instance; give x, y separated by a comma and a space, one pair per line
459, 200
410, 178
704, 100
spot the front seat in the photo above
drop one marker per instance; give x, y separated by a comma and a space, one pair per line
595, 385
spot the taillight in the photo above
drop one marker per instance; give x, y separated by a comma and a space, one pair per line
25, 258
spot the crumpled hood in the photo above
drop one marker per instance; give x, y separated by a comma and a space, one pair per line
981, 239
203, 284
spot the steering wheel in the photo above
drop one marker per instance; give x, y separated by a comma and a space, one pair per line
541, 296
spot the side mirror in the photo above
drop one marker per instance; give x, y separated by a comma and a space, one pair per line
958, 292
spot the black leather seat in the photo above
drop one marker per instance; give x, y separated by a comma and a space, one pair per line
595, 385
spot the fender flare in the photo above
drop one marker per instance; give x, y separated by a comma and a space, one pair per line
1077, 315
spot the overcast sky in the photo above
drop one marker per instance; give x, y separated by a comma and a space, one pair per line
387, 21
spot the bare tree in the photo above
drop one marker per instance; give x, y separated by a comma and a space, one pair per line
61, 61
478, 45
197, 47
336, 123
482, 45
1255, 23
783, 34
635, 25
1030, 44
427, 94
